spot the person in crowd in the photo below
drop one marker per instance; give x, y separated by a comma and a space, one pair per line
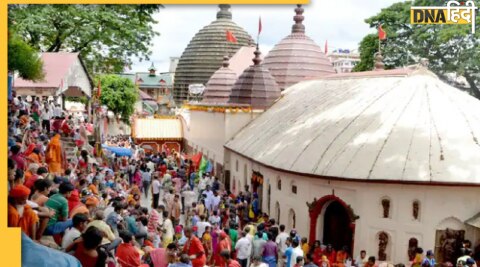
80, 222
194, 249
55, 156
417, 261
309, 261
244, 249
297, 252
227, 258
270, 251
362, 259
58, 202
20, 214
127, 255
87, 248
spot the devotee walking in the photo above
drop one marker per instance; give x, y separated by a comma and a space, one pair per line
194, 249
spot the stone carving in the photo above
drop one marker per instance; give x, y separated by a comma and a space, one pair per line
386, 208
451, 243
412, 247
416, 209
382, 246
312, 205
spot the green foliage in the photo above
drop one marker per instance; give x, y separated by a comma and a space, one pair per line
82, 99
449, 48
106, 36
24, 60
118, 94
368, 47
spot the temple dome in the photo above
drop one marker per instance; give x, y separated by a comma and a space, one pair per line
401, 125
204, 54
219, 86
255, 86
297, 56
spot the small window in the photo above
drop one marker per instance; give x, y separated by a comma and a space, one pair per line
279, 184
294, 189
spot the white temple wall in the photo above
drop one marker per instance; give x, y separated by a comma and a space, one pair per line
440, 207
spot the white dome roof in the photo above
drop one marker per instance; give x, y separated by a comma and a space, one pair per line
399, 125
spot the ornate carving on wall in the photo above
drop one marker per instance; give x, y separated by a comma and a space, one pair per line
415, 209
412, 247
382, 246
386, 207
311, 206
451, 243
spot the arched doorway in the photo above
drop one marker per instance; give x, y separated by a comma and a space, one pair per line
336, 223
336, 226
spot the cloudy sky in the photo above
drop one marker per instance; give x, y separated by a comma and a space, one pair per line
339, 22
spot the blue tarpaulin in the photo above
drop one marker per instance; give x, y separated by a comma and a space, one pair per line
119, 151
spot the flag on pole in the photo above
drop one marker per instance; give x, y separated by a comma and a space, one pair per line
230, 37
202, 167
382, 35
259, 25
326, 46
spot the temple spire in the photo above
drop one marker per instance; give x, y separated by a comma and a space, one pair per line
225, 62
298, 27
257, 59
224, 12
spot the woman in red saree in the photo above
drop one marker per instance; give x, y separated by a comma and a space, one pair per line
224, 244
194, 249
317, 253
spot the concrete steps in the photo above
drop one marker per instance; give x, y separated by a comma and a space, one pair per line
69, 146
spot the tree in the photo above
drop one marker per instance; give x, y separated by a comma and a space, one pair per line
106, 36
449, 48
368, 47
119, 94
24, 60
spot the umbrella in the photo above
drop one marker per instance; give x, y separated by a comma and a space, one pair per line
147, 147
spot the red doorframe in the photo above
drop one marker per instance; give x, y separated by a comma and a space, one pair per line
316, 209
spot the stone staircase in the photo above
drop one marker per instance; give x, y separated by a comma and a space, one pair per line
69, 147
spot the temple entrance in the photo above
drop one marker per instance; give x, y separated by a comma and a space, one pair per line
336, 227
332, 221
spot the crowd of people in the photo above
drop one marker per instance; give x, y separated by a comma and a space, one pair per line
150, 209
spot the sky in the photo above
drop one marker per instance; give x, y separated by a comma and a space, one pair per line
341, 22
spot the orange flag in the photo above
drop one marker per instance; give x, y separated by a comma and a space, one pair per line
230, 37
382, 35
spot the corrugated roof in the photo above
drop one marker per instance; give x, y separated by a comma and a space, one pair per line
398, 128
55, 67
146, 80
158, 129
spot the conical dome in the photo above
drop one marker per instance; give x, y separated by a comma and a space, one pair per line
219, 86
297, 56
255, 86
204, 54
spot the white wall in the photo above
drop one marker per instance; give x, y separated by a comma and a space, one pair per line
77, 76
209, 131
440, 206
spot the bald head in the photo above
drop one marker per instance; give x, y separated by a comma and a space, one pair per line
188, 231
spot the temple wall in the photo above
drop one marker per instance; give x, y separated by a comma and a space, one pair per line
440, 207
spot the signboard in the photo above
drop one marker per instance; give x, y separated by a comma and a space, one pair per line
453, 13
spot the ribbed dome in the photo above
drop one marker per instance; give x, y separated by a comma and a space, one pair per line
220, 85
255, 86
297, 56
204, 54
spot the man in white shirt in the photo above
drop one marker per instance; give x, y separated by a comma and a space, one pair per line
155, 191
150, 166
361, 259
297, 252
57, 112
244, 249
79, 223
201, 225
281, 245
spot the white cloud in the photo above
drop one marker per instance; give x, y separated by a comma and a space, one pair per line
339, 22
